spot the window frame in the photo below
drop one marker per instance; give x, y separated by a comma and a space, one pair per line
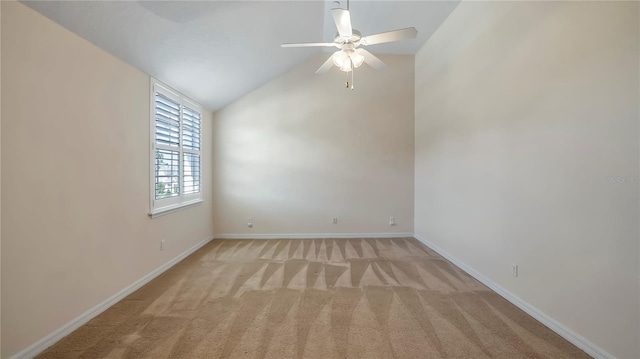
158, 207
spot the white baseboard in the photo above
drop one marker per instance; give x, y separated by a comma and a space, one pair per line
44, 343
312, 235
576, 339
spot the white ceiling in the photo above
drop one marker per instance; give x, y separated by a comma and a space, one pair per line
217, 51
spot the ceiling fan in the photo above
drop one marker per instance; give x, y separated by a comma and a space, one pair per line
348, 41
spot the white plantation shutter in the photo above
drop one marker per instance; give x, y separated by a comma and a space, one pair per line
167, 121
191, 129
191, 173
167, 173
176, 140
191, 146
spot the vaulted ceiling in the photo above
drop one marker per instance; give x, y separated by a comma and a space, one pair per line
217, 51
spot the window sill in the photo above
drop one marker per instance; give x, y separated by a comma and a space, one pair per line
174, 208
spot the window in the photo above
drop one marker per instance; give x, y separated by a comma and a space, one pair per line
176, 134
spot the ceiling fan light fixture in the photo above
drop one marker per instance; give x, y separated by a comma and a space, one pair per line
341, 60
357, 59
347, 60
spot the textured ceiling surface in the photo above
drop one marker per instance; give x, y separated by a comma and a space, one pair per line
217, 51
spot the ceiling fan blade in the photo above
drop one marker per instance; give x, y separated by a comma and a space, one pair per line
326, 66
371, 59
408, 33
343, 22
309, 44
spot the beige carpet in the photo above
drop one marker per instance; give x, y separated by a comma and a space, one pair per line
314, 298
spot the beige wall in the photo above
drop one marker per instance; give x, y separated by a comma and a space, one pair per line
75, 179
527, 153
0, 190
302, 149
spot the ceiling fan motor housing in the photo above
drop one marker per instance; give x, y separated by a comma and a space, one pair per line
353, 39
347, 59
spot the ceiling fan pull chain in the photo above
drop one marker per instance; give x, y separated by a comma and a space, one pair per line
346, 84
352, 69
352, 74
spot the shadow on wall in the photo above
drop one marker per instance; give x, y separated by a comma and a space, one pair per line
303, 142
516, 77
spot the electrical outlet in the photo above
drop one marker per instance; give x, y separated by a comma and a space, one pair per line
250, 222
162, 245
335, 220
514, 270
392, 221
